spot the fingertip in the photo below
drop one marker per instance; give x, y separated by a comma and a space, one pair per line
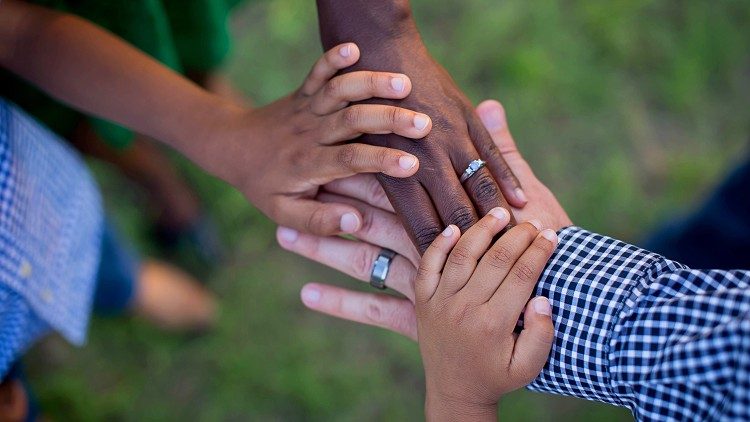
408, 164
400, 85
422, 123
286, 236
349, 52
350, 222
501, 214
541, 306
311, 294
550, 235
492, 114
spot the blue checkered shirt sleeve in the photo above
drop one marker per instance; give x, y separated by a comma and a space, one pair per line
637, 330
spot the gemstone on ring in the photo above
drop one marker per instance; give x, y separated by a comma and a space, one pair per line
473, 167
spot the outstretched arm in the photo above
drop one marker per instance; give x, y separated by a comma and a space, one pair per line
277, 155
434, 197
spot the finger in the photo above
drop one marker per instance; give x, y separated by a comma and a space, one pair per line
357, 86
473, 244
380, 228
520, 282
377, 119
534, 343
492, 114
451, 200
380, 310
341, 161
480, 187
499, 260
503, 174
354, 258
333, 60
364, 187
433, 261
317, 218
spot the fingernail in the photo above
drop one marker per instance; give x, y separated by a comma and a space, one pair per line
397, 83
542, 306
346, 51
550, 235
521, 195
287, 235
536, 223
349, 223
448, 232
421, 121
493, 120
311, 295
500, 213
407, 162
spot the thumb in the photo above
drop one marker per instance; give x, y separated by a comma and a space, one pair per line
492, 114
535, 341
320, 219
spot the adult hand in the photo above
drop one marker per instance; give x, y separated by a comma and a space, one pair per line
434, 197
381, 228
279, 155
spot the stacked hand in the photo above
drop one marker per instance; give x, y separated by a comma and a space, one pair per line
279, 155
382, 229
468, 299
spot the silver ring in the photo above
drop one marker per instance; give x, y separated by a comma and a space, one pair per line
380, 268
473, 168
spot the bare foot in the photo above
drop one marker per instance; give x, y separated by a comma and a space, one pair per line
172, 299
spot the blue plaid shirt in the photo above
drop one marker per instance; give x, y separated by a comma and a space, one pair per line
50, 227
637, 330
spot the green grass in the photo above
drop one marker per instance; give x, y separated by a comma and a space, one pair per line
629, 110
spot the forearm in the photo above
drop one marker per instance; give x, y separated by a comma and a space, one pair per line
635, 329
383, 30
92, 70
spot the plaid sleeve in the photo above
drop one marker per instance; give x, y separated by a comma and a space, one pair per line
637, 330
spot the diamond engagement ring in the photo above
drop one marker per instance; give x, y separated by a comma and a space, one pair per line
474, 167
380, 268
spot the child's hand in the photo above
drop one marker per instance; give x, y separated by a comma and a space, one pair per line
468, 301
280, 154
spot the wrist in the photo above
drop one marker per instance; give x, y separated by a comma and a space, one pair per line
207, 132
359, 22
441, 407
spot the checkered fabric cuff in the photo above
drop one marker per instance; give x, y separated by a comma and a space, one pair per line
589, 280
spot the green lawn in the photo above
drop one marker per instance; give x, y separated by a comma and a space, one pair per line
630, 110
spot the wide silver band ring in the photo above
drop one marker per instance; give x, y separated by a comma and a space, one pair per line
380, 268
472, 169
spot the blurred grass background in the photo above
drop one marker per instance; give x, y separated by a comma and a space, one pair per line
629, 110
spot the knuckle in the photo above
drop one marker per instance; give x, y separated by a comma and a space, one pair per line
523, 272
352, 116
422, 274
332, 88
372, 83
346, 155
459, 313
368, 223
362, 262
506, 174
391, 115
459, 256
485, 189
424, 236
316, 221
499, 257
463, 217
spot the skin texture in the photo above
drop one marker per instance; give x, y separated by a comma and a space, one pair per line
469, 293
277, 155
382, 228
434, 196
